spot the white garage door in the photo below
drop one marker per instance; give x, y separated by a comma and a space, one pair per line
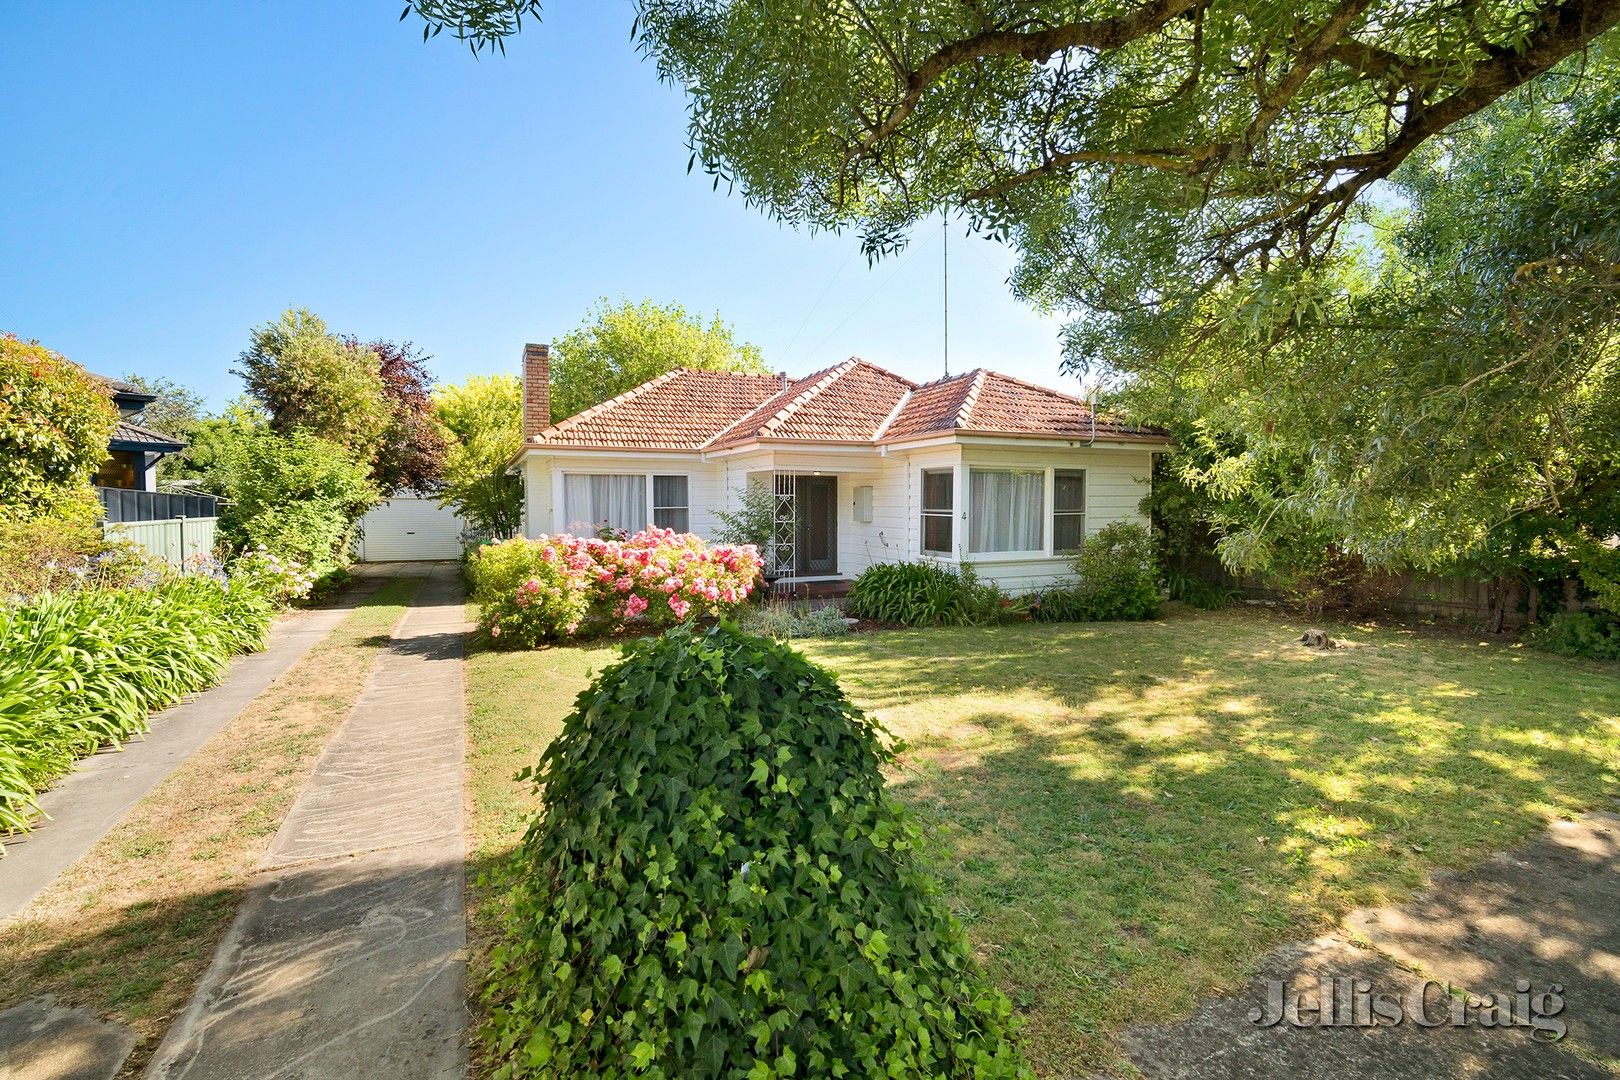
410, 529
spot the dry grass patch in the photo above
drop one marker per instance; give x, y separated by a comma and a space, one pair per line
129, 928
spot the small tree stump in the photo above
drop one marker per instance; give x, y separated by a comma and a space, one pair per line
1317, 639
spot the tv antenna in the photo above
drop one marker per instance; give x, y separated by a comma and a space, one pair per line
945, 281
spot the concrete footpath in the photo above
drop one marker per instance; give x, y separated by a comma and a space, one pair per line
99, 792
348, 957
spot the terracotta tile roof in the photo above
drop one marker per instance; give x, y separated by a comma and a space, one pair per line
852, 402
992, 403
679, 410
847, 403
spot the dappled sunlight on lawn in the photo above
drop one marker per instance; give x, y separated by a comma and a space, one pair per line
1131, 815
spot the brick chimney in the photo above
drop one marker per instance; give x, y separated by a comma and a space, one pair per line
536, 389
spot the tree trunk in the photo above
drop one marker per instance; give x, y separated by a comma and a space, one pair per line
1572, 594
1533, 607
1497, 598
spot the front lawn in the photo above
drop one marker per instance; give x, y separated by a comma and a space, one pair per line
1130, 815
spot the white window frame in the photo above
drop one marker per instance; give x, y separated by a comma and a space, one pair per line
1085, 501
652, 497
1047, 534
647, 475
924, 513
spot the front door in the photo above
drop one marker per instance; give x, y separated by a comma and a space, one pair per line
817, 542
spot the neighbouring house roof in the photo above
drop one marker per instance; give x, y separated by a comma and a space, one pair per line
854, 402
127, 436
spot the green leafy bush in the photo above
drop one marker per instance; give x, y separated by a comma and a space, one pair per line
297, 495
1197, 593
1118, 580
81, 670
784, 621
55, 420
927, 594
720, 887
1594, 635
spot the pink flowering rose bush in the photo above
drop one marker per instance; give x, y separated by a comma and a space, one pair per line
557, 587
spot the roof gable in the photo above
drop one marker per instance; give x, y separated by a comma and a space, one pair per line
851, 402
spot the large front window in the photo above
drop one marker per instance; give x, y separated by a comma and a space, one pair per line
938, 509
1006, 510
593, 502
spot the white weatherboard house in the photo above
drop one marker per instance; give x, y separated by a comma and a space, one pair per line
867, 467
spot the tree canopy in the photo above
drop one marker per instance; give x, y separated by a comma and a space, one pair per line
481, 422
308, 379
410, 455
620, 346
1449, 391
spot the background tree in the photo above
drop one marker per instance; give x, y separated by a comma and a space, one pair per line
310, 380
1448, 394
481, 421
620, 346
55, 419
178, 411
410, 456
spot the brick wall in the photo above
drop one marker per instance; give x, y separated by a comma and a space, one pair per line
536, 389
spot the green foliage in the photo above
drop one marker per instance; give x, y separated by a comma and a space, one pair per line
310, 380
55, 420
1445, 395
927, 594
719, 886
1195, 592
298, 495
81, 670
786, 621
481, 422
1118, 579
619, 347
44, 554
1593, 635
754, 520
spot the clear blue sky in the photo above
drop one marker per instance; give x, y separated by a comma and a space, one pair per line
176, 173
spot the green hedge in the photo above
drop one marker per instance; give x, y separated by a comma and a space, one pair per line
81, 670
719, 886
1594, 635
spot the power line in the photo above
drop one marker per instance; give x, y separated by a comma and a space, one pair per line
825, 289
872, 295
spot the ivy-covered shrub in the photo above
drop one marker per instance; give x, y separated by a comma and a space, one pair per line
1118, 579
556, 587
928, 594
719, 886
81, 670
55, 420
1591, 634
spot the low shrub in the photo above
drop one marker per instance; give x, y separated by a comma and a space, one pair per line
928, 594
280, 580
785, 621
1118, 575
81, 670
556, 587
719, 885
1195, 592
1589, 634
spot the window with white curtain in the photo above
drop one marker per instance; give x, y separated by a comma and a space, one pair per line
1068, 509
1006, 510
592, 502
670, 509
938, 510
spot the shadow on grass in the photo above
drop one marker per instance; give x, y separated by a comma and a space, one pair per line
1132, 815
